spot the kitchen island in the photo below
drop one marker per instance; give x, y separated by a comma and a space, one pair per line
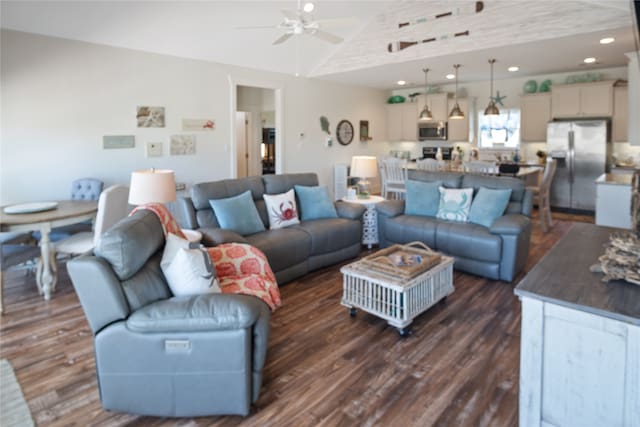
580, 341
613, 200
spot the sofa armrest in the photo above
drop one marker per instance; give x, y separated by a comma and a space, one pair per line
217, 236
197, 313
510, 224
98, 290
390, 208
183, 212
349, 210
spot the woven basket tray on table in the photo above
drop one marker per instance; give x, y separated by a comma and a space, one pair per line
405, 261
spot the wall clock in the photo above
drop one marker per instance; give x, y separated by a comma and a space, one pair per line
344, 132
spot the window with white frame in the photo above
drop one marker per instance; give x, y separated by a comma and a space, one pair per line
501, 131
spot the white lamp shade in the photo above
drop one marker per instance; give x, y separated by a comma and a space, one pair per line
364, 166
152, 186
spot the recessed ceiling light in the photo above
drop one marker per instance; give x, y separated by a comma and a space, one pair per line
450, 76
513, 69
607, 40
308, 7
589, 60
401, 82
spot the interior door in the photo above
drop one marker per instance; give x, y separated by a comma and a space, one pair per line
242, 147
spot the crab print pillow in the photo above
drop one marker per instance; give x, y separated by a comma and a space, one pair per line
282, 209
455, 204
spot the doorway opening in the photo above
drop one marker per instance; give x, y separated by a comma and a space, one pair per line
256, 131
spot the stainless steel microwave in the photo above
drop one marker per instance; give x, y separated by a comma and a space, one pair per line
432, 131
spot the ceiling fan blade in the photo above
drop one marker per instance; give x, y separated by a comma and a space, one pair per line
256, 27
331, 38
283, 38
290, 14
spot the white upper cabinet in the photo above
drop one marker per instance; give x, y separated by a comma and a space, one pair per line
535, 113
402, 121
582, 100
620, 107
438, 104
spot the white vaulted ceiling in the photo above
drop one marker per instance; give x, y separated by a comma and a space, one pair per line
541, 36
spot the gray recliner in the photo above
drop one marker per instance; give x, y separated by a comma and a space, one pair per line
162, 355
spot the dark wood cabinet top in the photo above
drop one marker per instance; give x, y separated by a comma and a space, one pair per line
562, 277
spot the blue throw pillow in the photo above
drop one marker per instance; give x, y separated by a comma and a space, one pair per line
315, 203
489, 205
422, 198
238, 214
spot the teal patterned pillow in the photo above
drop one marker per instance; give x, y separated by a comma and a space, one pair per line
455, 204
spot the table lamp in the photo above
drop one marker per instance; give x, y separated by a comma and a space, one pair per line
364, 167
152, 186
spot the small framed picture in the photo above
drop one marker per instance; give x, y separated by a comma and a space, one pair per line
364, 130
150, 117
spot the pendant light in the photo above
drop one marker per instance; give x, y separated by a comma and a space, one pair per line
425, 114
492, 108
456, 112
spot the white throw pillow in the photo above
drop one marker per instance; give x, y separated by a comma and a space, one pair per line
188, 267
282, 209
455, 204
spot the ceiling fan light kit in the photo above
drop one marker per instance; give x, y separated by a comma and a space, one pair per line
456, 112
425, 114
492, 109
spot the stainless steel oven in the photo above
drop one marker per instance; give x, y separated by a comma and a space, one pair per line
432, 131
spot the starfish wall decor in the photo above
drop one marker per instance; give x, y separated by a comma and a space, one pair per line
498, 99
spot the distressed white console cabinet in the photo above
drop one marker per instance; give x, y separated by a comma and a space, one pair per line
580, 342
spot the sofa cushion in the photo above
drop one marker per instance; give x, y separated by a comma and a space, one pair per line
455, 204
284, 247
488, 205
423, 198
468, 240
409, 228
238, 213
315, 203
448, 179
333, 234
282, 209
274, 184
129, 244
147, 285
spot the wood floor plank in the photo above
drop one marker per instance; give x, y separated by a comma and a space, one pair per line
459, 366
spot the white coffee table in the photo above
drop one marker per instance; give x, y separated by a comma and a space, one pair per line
369, 219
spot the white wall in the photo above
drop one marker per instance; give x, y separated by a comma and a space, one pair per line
512, 88
59, 98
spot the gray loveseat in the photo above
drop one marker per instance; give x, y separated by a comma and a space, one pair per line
162, 355
293, 251
498, 252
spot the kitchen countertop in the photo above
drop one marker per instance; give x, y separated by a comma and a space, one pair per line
563, 278
615, 179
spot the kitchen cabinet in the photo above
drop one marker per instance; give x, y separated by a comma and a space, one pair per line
438, 104
633, 107
402, 121
535, 113
582, 100
613, 200
459, 128
620, 108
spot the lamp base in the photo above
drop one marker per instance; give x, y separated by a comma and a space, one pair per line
363, 189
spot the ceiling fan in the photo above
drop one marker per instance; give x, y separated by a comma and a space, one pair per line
299, 21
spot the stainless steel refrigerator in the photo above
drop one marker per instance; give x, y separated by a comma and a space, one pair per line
582, 152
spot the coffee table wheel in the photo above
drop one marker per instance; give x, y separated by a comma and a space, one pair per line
352, 312
404, 332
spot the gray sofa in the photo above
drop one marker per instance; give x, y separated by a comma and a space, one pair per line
498, 252
293, 251
162, 355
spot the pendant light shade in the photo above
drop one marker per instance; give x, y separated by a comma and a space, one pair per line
492, 108
425, 114
456, 112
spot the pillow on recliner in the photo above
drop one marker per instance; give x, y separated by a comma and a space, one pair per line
422, 198
315, 202
455, 204
489, 205
188, 268
238, 214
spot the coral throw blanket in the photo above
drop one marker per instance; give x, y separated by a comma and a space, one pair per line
241, 268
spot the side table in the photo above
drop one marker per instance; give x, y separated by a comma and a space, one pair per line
369, 219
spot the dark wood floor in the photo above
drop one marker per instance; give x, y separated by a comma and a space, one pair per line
459, 367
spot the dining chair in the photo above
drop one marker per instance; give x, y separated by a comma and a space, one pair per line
112, 207
541, 192
86, 189
394, 175
429, 165
481, 167
15, 249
